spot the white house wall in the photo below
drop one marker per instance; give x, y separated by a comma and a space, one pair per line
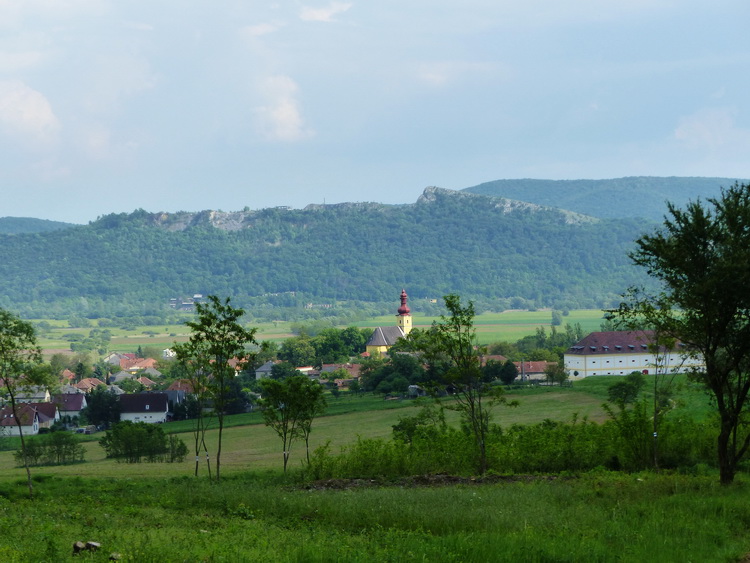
153, 418
622, 364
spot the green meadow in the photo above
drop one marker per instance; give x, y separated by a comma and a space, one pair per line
160, 512
507, 326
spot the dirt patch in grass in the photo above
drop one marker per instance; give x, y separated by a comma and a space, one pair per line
426, 481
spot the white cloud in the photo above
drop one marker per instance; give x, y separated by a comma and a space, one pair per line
712, 129
325, 14
138, 26
444, 72
281, 119
260, 29
14, 62
27, 115
117, 77
15, 12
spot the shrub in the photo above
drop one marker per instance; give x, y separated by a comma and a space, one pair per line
133, 442
56, 448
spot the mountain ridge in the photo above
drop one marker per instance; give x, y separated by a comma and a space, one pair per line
628, 197
493, 250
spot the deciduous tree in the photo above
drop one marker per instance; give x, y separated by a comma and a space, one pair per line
452, 343
218, 343
701, 256
19, 361
289, 407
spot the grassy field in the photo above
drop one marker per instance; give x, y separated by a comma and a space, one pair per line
507, 326
159, 512
491, 327
249, 445
161, 336
597, 517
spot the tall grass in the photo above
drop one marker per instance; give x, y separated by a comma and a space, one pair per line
599, 517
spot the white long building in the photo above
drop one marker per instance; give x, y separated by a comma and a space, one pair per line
623, 352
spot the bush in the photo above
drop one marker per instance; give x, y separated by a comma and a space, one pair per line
56, 448
133, 442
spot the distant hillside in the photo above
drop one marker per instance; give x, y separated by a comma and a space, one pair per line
492, 250
17, 225
640, 196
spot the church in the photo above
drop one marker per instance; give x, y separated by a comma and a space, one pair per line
383, 337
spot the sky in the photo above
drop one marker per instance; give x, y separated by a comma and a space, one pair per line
110, 106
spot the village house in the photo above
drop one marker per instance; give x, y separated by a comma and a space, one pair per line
70, 404
28, 416
33, 395
144, 407
48, 414
623, 352
88, 384
532, 371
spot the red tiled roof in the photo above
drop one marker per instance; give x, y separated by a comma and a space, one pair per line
531, 367
137, 363
181, 385
26, 414
88, 383
614, 342
47, 409
69, 401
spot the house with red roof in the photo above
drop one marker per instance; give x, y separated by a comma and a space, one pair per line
48, 413
623, 352
532, 370
88, 384
28, 416
70, 404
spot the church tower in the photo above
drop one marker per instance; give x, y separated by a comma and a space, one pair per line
404, 314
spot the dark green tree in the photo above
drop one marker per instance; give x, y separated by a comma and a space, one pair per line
555, 373
282, 370
452, 343
133, 442
218, 344
298, 351
701, 257
626, 390
102, 407
289, 407
194, 364
19, 359
508, 373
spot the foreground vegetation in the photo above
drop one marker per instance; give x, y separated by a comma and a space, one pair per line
595, 517
370, 512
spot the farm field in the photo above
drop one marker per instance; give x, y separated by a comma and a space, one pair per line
491, 327
249, 445
507, 326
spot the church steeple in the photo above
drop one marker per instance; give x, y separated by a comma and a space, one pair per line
404, 314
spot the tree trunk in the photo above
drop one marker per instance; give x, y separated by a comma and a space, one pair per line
726, 457
218, 450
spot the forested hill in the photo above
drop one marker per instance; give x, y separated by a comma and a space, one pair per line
16, 225
641, 196
491, 250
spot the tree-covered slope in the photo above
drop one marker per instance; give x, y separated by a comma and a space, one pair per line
640, 196
488, 249
17, 225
